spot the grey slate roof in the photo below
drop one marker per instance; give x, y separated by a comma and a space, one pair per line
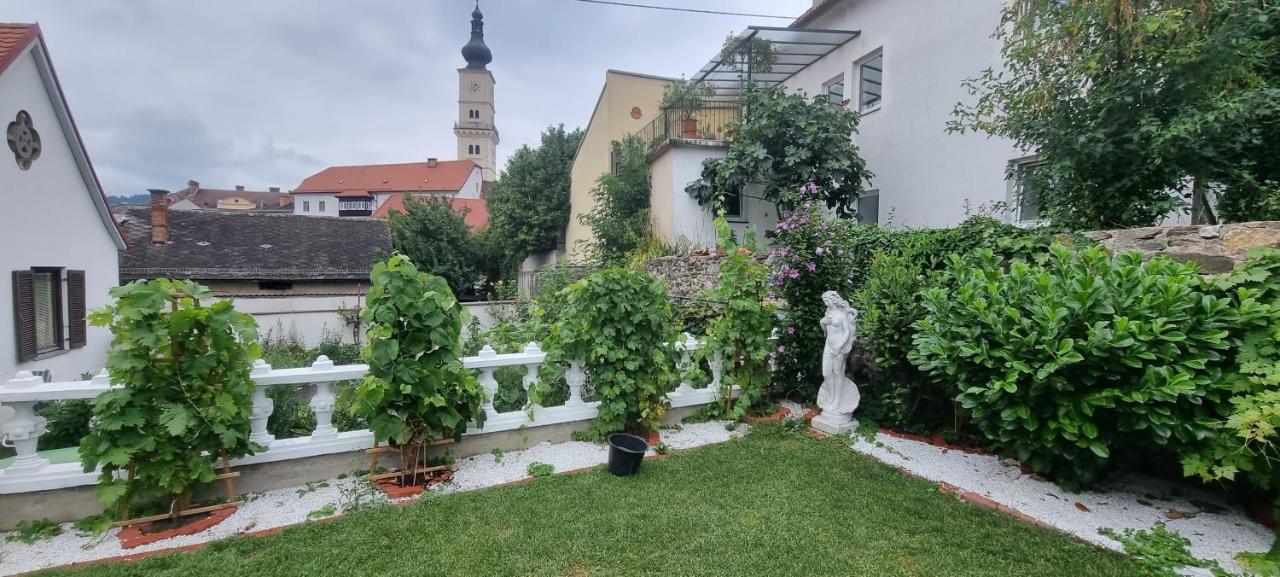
223, 245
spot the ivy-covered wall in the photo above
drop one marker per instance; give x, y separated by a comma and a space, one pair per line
1216, 248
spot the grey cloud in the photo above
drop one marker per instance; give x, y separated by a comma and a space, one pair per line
263, 92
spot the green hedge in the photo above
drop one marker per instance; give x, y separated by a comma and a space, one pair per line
814, 253
1059, 363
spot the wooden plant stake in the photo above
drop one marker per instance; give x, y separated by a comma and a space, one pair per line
180, 506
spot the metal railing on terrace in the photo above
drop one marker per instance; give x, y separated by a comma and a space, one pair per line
711, 122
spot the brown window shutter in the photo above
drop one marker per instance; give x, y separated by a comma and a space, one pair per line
76, 308
24, 314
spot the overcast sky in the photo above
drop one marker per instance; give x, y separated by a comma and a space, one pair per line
265, 92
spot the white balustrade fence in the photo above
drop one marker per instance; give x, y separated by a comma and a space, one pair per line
30, 472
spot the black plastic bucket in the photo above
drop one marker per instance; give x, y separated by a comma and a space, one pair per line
626, 452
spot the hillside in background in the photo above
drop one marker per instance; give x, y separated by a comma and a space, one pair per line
141, 198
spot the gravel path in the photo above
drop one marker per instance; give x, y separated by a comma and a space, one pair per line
1217, 529
292, 505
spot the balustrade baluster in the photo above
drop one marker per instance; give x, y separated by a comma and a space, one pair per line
23, 430
717, 370
487, 381
686, 348
576, 377
531, 369
263, 406
323, 401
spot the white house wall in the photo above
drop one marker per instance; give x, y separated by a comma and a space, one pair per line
471, 188
58, 224
694, 225
925, 176
330, 204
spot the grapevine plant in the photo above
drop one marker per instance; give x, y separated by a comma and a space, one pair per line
742, 331
619, 323
417, 390
1247, 440
184, 398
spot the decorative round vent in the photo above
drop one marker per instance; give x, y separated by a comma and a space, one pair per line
635, 112
24, 141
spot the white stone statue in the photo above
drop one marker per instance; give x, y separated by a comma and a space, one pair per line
838, 397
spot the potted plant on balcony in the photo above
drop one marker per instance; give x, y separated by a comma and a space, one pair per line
181, 409
685, 98
417, 393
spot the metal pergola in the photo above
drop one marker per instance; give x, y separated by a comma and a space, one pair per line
794, 49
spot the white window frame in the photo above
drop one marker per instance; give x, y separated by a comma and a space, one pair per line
306, 206
868, 194
321, 207
844, 90
857, 67
1014, 194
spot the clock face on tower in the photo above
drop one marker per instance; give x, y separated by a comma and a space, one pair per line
474, 86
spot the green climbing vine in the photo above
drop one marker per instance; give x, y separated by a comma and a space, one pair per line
185, 394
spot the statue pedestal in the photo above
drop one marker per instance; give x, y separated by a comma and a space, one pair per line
834, 423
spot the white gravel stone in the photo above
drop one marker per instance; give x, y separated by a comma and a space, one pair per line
1218, 530
290, 506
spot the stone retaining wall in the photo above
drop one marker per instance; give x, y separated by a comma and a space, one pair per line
686, 275
1217, 248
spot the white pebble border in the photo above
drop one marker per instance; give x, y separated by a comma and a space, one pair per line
290, 506
1218, 530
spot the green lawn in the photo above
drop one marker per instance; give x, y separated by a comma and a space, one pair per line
773, 503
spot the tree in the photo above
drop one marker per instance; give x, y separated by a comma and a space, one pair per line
436, 238
1129, 103
529, 205
620, 220
783, 142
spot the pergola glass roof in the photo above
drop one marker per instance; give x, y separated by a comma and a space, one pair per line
795, 49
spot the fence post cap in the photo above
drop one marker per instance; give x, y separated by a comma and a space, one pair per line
322, 364
102, 378
261, 367
532, 349
488, 351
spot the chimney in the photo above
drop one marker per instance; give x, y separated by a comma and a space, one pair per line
433, 162
240, 187
159, 216
273, 189
193, 184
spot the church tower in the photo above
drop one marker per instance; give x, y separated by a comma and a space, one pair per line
475, 129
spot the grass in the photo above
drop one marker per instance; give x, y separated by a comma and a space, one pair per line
774, 503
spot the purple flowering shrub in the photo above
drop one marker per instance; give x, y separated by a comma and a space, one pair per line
813, 253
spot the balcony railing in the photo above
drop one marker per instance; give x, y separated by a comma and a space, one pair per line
29, 471
710, 123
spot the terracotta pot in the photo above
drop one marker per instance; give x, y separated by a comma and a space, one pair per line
689, 127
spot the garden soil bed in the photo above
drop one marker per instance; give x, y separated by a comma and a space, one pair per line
394, 489
147, 533
775, 417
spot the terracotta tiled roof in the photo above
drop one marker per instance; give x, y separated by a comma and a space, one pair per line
477, 213
445, 176
209, 197
13, 38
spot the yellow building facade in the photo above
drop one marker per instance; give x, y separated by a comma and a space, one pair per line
628, 102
